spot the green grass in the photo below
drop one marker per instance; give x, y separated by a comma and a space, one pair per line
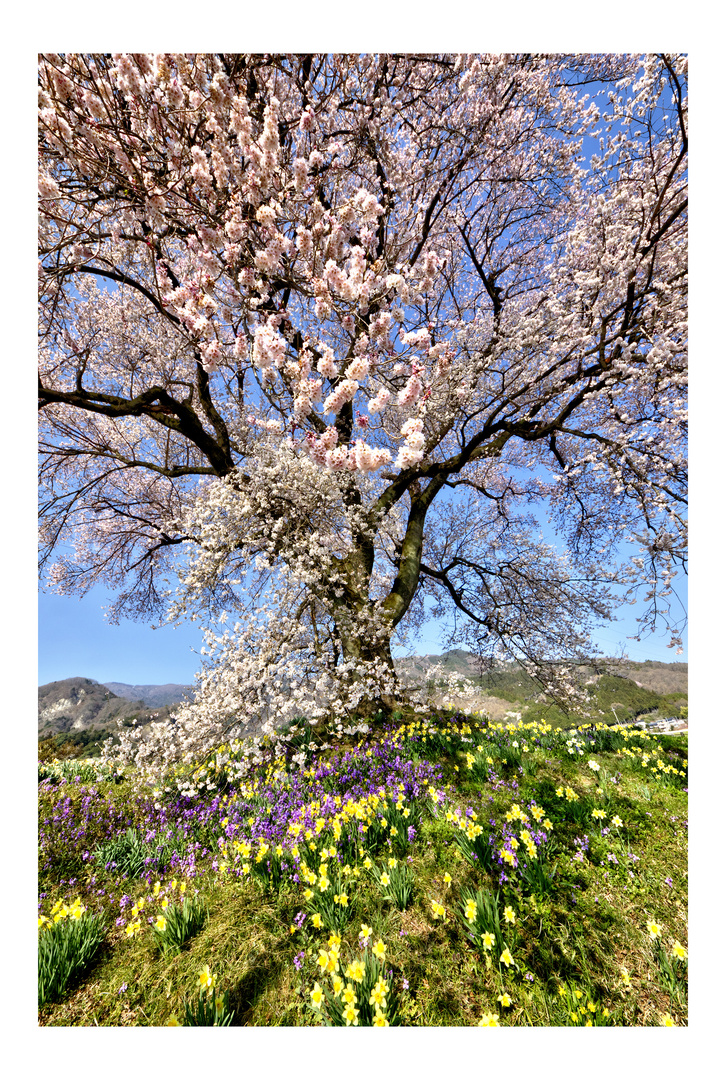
573, 916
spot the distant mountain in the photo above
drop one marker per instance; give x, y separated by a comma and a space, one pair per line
660, 677
167, 694
79, 704
654, 675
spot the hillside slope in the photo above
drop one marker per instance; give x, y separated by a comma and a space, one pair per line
78, 704
151, 695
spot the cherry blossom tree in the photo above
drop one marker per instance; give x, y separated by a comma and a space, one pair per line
322, 336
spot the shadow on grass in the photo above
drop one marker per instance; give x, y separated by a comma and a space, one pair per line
244, 997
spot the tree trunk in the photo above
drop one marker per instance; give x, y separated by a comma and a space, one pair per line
359, 647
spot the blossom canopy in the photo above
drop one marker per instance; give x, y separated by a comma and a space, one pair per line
321, 335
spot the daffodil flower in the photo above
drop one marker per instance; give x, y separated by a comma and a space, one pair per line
506, 958
350, 1015
489, 1020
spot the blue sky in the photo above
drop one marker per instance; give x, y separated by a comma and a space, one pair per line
74, 639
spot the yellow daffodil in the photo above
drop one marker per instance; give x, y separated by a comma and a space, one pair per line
323, 959
506, 958
355, 971
350, 1015
489, 1020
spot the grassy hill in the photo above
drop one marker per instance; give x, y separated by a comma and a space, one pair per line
630, 689
76, 715
438, 872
